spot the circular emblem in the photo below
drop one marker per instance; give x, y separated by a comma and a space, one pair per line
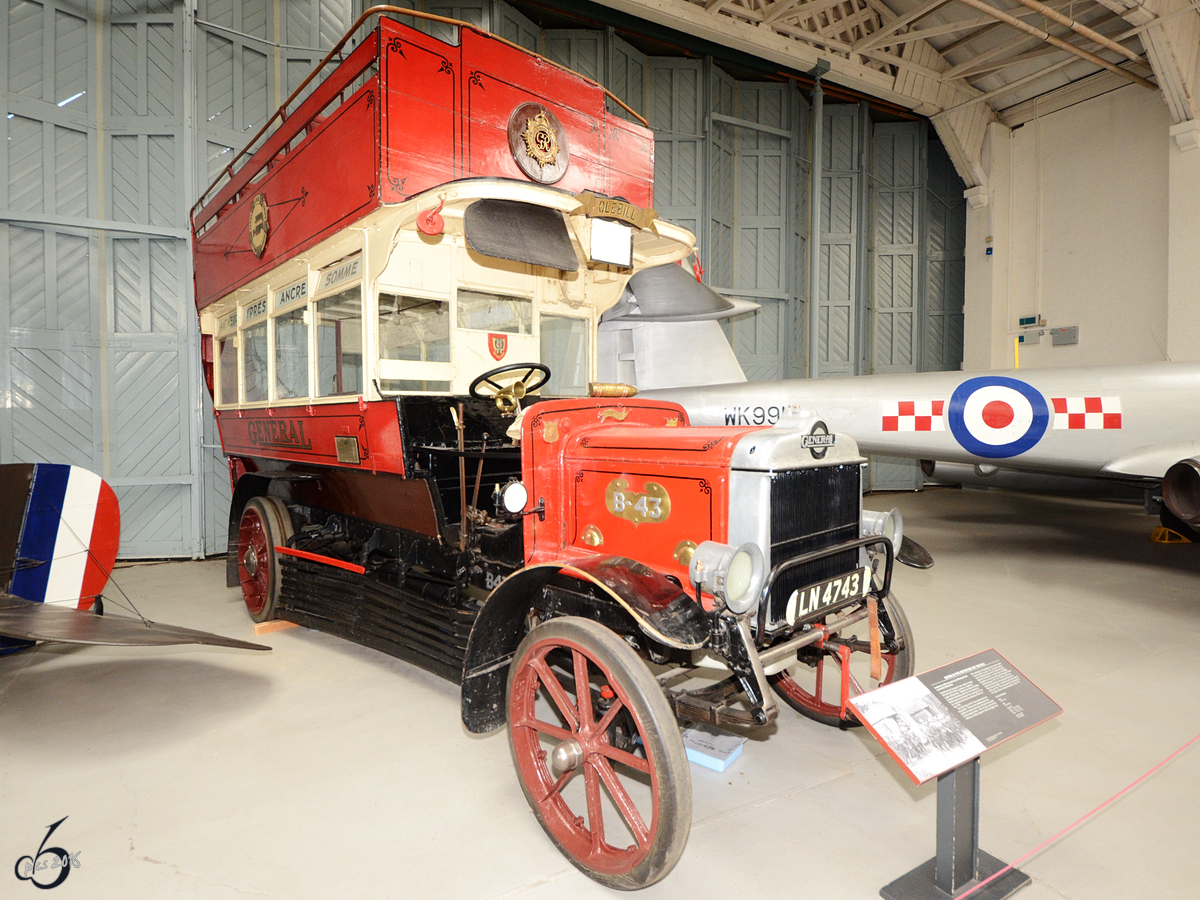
538, 143
819, 440
997, 417
260, 224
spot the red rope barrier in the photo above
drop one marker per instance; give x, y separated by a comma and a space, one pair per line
1078, 821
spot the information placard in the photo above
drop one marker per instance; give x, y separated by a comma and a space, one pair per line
933, 722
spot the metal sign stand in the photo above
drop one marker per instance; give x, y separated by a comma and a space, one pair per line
959, 864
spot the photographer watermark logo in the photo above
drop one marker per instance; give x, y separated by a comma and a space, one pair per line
50, 866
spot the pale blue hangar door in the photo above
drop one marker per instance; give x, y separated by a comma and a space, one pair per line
116, 114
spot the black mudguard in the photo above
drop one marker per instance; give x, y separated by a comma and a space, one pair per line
659, 607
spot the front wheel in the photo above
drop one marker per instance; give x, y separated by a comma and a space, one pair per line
598, 753
813, 684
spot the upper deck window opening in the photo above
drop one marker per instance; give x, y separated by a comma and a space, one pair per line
480, 311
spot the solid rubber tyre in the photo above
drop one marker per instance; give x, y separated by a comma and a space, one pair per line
655, 770
265, 524
805, 689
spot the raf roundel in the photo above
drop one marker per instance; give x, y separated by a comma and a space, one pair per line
997, 417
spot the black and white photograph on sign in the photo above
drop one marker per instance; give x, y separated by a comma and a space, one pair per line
918, 729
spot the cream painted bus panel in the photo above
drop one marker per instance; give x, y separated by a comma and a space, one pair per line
494, 275
420, 266
472, 357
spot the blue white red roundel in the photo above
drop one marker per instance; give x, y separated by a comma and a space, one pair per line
997, 417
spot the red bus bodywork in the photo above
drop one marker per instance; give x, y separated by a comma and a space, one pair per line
426, 113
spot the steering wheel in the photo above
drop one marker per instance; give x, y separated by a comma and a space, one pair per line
508, 396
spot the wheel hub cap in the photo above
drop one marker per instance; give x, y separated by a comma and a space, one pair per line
250, 561
566, 756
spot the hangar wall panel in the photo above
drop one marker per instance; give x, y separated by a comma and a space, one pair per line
842, 201
676, 111
899, 176
945, 264
898, 182
766, 342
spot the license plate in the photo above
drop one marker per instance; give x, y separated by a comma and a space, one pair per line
824, 595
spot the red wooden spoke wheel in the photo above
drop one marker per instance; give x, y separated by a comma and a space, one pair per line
598, 753
265, 524
813, 684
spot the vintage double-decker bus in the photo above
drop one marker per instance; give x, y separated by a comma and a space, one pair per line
399, 286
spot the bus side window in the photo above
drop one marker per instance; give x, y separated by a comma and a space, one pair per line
291, 354
340, 343
254, 363
227, 360
564, 349
414, 328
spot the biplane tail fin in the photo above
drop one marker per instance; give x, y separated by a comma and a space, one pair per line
60, 529
66, 537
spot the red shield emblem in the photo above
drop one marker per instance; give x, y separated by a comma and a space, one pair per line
498, 345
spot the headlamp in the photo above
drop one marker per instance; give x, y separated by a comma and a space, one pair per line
888, 524
734, 575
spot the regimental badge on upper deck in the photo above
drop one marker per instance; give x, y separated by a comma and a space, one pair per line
538, 143
540, 140
260, 224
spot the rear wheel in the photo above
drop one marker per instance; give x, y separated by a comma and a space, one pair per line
598, 753
265, 525
813, 684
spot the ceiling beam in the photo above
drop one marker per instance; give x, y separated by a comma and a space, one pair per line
980, 25
879, 38
1172, 40
987, 61
1079, 28
1095, 60
796, 8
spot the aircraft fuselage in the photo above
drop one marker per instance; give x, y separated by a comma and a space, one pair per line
1128, 422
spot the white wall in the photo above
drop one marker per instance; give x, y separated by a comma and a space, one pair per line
1080, 226
1183, 280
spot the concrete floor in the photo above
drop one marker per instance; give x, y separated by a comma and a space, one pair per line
325, 770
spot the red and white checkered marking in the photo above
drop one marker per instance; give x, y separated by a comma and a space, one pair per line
913, 415
1087, 412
